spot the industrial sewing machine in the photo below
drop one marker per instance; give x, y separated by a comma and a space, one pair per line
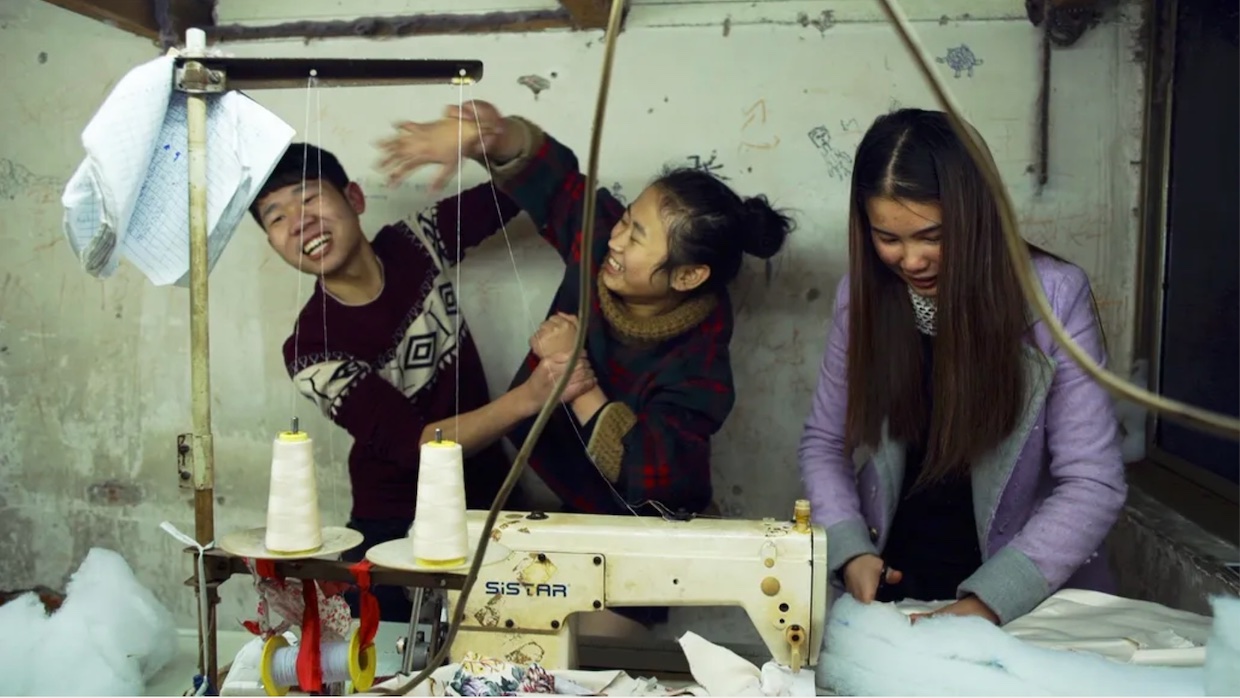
541, 570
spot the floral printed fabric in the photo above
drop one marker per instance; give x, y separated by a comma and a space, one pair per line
479, 676
283, 596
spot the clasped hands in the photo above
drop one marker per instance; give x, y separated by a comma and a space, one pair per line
862, 577
553, 344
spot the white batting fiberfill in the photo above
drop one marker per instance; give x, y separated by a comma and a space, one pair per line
107, 639
873, 650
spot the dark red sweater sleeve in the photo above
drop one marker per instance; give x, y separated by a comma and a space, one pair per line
353, 396
481, 211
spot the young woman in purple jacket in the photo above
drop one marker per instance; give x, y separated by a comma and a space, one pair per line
953, 450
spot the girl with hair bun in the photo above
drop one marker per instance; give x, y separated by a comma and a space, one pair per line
655, 381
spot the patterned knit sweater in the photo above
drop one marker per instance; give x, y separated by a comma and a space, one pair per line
668, 378
386, 369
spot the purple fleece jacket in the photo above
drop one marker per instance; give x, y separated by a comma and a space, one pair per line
1044, 499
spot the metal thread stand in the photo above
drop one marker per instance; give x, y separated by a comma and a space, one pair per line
200, 77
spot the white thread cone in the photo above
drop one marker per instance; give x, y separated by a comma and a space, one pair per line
293, 524
440, 532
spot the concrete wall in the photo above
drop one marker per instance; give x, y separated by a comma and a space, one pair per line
94, 374
1165, 558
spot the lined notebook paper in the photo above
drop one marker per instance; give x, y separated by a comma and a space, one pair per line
130, 197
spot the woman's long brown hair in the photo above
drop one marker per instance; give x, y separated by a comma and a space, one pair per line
978, 382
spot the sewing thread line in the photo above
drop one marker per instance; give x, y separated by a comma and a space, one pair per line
540, 422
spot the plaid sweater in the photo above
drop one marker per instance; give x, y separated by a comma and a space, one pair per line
668, 379
386, 369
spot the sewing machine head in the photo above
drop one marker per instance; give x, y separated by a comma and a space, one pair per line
543, 569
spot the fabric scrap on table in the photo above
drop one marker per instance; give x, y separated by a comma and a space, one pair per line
483, 676
722, 672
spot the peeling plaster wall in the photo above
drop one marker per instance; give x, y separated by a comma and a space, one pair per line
94, 375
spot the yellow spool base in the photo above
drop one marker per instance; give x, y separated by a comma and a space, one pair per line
311, 551
274, 643
440, 444
362, 663
439, 564
293, 436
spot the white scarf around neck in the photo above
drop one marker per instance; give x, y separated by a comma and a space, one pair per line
924, 312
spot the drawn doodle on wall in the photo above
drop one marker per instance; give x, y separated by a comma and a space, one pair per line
16, 179
697, 162
839, 162
756, 114
960, 59
618, 192
896, 105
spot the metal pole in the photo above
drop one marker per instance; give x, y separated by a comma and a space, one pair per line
408, 657
199, 338
199, 76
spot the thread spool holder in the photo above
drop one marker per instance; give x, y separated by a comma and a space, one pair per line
201, 77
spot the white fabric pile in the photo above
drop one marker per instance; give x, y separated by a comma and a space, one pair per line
1114, 647
109, 637
1223, 650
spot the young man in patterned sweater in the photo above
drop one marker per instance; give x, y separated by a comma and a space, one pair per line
377, 346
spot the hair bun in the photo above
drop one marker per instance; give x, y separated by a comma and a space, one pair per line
765, 228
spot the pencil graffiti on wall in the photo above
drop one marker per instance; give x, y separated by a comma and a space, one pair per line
960, 59
839, 162
707, 164
754, 132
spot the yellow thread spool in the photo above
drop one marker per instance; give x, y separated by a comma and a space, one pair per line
360, 666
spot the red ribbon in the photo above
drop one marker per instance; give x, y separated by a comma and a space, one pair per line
369, 604
267, 569
310, 652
